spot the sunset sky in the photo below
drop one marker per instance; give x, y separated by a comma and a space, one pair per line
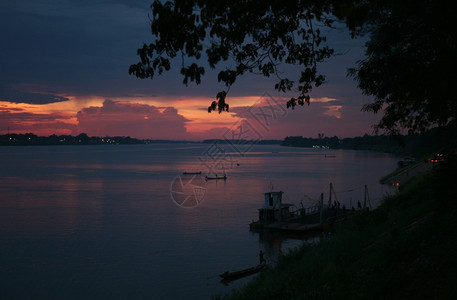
64, 70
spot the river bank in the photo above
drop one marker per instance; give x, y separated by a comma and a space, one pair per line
403, 249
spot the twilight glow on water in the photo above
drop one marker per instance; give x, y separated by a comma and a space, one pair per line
103, 222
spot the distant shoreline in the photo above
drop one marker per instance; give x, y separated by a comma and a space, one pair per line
410, 145
30, 139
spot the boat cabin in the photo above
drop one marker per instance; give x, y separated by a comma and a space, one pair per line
274, 210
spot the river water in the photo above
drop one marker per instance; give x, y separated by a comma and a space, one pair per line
123, 222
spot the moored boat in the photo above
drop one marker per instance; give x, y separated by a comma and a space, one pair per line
216, 177
231, 276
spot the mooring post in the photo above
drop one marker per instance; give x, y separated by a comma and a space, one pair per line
367, 198
321, 204
330, 196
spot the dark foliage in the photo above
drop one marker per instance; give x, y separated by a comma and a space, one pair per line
237, 37
409, 67
410, 64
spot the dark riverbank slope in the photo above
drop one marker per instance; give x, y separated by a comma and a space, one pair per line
405, 249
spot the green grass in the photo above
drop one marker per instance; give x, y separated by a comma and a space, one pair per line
405, 249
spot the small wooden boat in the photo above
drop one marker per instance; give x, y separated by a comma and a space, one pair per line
192, 173
231, 276
216, 177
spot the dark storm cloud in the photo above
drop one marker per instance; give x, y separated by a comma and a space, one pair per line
15, 96
80, 47
86, 47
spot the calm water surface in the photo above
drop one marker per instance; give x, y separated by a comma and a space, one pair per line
103, 222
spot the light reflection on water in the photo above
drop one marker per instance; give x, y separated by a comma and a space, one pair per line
99, 221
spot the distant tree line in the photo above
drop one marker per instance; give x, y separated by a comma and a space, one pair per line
81, 139
366, 142
443, 139
417, 145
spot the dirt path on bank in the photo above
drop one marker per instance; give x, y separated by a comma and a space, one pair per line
406, 174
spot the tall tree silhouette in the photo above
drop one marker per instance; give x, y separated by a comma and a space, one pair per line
409, 67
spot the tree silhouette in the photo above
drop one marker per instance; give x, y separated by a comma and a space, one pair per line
255, 36
409, 67
410, 64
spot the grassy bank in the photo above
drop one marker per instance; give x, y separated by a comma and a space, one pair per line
405, 249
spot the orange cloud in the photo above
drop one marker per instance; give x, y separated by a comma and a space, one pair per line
322, 100
132, 119
21, 118
184, 119
333, 111
271, 120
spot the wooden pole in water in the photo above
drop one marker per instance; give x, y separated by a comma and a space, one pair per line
321, 204
330, 196
280, 205
367, 197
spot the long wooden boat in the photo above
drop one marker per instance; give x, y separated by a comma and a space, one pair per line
191, 173
216, 177
231, 276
